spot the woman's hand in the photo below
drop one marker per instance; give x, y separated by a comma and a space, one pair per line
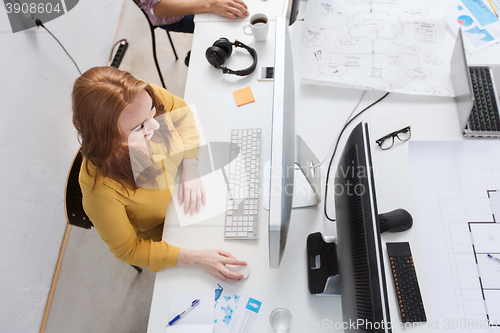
191, 190
230, 8
211, 261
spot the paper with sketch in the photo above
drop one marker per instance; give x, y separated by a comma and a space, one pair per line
213, 181
199, 319
389, 45
237, 311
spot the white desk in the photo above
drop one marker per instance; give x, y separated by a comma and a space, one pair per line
286, 286
320, 115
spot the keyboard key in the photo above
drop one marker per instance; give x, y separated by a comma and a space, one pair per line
485, 108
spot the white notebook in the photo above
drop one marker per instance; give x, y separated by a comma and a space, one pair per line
199, 319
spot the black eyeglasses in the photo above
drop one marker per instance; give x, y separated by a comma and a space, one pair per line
387, 141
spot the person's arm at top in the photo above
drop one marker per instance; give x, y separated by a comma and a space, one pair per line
227, 8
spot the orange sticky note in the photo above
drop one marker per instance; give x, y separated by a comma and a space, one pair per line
243, 96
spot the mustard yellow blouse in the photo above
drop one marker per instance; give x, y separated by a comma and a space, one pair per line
131, 221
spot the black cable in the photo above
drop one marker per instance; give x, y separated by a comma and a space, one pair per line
335, 150
40, 24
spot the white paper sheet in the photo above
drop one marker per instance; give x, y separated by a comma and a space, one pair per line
199, 319
214, 184
216, 193
476, 37
236, 310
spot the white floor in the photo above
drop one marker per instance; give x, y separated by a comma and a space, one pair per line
95, 291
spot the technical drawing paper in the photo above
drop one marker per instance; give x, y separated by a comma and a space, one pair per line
457, 186
389, 45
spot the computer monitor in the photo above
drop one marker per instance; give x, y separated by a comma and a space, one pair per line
291, 10
282, 164
359, 248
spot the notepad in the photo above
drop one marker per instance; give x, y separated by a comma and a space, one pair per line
243, 96
199, 319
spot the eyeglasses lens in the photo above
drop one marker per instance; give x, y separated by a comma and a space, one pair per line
404, 135
387, 142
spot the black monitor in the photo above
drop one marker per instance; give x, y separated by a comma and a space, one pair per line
359, 248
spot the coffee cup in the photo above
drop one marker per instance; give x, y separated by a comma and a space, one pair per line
258, 27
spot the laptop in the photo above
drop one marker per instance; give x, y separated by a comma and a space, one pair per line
476, 91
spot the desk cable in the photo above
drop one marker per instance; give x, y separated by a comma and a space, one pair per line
337, 144
39, 23
338, 138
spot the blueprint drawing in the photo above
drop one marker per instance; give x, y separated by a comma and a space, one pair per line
390, 45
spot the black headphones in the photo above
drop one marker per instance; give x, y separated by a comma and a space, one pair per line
218, 53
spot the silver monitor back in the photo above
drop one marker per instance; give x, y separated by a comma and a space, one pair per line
291, 10
464, 96
282, 166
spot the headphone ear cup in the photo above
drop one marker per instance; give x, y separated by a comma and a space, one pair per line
216, 56
224, 44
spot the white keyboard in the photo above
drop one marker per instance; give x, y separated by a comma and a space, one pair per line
243, 195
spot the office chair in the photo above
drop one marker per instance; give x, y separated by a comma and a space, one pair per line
75, 215
152, 28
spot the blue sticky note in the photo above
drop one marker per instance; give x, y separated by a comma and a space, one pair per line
253, 305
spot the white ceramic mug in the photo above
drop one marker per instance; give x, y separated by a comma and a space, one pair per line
259, 26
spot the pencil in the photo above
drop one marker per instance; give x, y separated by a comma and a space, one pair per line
493, 7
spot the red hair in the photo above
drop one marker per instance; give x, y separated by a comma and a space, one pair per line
99, 97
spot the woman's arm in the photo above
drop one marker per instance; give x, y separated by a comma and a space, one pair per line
182, 118
191, 190
111, 221
211, 261
227, 8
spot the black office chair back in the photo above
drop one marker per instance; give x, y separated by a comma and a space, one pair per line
153, 40
73, 204
73, 197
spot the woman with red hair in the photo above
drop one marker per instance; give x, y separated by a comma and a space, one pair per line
122, 122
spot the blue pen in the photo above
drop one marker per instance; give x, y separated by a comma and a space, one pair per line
494, 258
193, 304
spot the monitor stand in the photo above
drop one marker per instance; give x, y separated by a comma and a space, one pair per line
322, 265
322, 261
307, 180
